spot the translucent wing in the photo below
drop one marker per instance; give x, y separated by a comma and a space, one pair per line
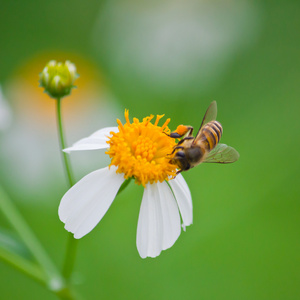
210, 115
222, 154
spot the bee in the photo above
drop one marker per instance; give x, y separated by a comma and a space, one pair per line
192, 151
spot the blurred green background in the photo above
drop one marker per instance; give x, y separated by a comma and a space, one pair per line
171, 57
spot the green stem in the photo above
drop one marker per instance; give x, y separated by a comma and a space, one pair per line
66, 294
66, 161
31, 242
72, 243
70, 257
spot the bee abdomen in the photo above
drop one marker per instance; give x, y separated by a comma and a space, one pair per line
211, 134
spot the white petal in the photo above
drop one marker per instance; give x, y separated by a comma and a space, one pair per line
95, 141
159, 220
183, 198
84, 205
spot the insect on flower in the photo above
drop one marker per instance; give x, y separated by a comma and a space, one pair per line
191, 151
138, 150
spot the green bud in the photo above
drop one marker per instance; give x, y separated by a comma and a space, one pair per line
58, 78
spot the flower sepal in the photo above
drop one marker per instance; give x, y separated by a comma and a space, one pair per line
124, 185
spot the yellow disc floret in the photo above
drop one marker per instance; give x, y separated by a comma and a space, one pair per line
142, 150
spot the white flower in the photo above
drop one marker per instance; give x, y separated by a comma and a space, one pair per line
137, 150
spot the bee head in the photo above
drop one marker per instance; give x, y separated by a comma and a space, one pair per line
181, 161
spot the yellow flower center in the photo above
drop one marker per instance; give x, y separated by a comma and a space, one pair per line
142, 150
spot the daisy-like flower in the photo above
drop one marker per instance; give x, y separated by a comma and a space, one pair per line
139, 150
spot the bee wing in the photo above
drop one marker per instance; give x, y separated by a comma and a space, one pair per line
210, 115
222, 154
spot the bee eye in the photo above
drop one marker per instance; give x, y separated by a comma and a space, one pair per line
180, 154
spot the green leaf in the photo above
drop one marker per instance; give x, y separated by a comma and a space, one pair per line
11, 243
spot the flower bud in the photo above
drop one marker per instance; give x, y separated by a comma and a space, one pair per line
58, 78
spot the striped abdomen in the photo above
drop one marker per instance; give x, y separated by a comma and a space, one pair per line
210, 134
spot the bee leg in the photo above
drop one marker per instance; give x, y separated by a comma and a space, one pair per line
181, 131
174, 135
177, 147
180, 142
190, 132
184, 139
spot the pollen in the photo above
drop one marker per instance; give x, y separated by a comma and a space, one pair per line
142, 150
182, 130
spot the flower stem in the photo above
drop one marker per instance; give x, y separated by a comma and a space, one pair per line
72, 243
31, 242
70, 257
66, 161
